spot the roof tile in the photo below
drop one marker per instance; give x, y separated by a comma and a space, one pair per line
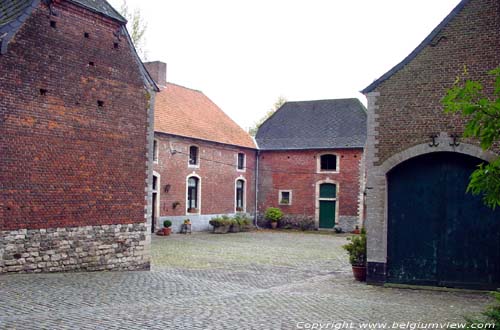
188, 112
322, 124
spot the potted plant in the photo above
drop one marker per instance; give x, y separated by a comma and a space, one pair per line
235, 226
274, 214
356, 249
166, 227
244, 222
192, 210
186, 227
284, 201
220, 224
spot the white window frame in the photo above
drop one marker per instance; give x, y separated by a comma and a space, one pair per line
198, 196
318, 162
244, 162
197, 165
289, 200
244, 194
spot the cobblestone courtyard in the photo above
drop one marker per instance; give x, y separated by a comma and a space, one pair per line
258, 280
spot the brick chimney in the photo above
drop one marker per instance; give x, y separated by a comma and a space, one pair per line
158, 71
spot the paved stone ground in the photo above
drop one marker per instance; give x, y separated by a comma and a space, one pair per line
258, 280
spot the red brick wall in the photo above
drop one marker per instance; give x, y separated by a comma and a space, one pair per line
296, 171
409, 106
64, 160
217, 177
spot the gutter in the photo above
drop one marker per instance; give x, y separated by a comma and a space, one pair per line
257, 153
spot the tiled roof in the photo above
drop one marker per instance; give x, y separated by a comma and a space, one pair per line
13, 13
101, 7
323, 124
417, 50
190, 113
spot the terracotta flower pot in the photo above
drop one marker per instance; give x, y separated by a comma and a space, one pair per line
274, 224
167, 231
359, 273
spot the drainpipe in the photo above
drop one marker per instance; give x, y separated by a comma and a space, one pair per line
256, 188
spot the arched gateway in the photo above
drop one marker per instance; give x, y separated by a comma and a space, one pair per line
437, 234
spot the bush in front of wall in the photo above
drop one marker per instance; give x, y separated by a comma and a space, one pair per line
274, 214
302, 222
356, 249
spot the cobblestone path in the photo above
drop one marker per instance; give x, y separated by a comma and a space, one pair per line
258, 280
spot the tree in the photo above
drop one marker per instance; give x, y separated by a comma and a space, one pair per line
137, 28
482, 110
253, 130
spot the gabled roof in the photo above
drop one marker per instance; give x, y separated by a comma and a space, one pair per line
13, 13
101, 7
187, 112
323, 124
417, 50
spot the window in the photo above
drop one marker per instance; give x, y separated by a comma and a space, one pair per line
155, 151
328, 163
285, 197
192, 194
240, 196
193, 156
241, 161
155, 183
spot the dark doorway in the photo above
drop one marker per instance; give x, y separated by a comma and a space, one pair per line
437, 233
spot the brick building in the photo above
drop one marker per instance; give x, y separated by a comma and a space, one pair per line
311, 162
422, 226
75, 129
204, 162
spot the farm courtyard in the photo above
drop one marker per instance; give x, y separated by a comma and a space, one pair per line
256, 280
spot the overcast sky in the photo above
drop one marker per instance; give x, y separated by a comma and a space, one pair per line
245, 54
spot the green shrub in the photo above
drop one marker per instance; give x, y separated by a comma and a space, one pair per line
242, 220
273, 214
223, 220
167, 223
357, 249
490, 316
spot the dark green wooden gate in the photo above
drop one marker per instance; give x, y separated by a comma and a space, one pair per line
437, 233
327, 204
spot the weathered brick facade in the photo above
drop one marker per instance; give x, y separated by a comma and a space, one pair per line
74, 120
217, 171
297, 171
405, 110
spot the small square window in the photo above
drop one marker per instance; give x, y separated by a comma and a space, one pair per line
285, 197
241, 161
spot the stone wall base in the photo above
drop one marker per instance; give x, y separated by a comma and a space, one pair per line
199, 222
89, 248
348, 223
376, 273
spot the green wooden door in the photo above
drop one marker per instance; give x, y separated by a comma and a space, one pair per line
437, 233
327, 205
326, 214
